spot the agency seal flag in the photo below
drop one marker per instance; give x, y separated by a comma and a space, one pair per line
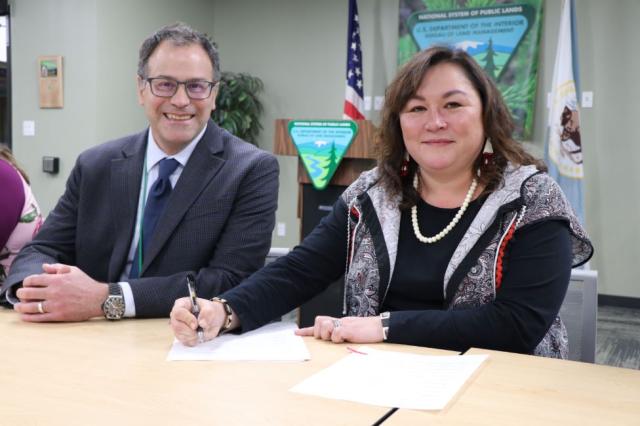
564, 147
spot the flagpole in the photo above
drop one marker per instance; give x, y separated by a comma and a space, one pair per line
574, 47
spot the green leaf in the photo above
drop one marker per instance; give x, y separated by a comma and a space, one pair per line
238, 107
441, 4
480, 3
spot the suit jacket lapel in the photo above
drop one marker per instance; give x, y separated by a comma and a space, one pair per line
126, 174
202, 166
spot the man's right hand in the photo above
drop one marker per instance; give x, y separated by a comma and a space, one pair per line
184, 324
60, 293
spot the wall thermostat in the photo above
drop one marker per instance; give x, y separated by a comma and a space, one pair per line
50, 165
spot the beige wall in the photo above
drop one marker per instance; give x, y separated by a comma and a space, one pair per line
37, 29
607, 37
298, 48
609, 67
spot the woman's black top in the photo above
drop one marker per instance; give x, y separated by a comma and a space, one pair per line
534, 283
417, 281
525, 306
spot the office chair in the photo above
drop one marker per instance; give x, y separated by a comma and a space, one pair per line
579, 314
274, 253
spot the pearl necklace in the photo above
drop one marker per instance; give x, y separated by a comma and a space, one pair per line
440, 235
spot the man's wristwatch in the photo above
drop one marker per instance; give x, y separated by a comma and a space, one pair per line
385, 318
113, 306
228, 311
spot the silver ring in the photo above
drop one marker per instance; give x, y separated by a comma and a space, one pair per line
336, 323
41, 307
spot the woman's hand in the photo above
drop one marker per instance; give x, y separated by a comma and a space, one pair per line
184, 324
347, 329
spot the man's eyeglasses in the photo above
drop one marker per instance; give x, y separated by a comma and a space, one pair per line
166, 87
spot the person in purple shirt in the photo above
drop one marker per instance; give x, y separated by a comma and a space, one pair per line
20, 216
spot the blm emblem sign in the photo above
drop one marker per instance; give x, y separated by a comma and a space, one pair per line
321, 145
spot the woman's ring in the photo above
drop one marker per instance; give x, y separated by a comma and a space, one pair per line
336, 323
41, 307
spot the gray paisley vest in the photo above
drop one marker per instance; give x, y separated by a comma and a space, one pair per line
526, 196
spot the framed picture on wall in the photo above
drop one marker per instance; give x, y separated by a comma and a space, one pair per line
50, 80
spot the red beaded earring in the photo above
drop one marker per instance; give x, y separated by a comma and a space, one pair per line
404, 168
487, 152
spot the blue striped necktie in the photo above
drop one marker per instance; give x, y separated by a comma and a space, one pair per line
158, 196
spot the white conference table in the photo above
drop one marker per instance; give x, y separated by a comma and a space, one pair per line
515, 389
101, 372
116, 373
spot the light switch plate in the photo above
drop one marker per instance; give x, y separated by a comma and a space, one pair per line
28, 128
378, 101
367, 103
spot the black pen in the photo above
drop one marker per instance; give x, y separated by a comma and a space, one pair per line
195, 309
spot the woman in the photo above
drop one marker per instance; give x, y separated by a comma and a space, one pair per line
501, 237
20, 216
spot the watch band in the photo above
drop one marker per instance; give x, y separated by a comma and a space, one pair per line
115, 289
385, 317
227, 309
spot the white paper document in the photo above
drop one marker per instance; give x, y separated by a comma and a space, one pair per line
273, 342
393, 379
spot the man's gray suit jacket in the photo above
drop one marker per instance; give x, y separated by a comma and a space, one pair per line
217, 222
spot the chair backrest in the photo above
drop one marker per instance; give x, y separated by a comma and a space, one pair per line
579, 313
274, 253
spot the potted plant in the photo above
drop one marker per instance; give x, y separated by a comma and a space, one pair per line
238, 108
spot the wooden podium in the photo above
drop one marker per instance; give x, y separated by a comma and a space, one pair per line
313, 204
359, 157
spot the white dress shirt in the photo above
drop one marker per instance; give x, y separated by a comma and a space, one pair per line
154, 155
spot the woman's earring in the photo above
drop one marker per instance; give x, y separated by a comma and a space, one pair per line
487, 152
404, 169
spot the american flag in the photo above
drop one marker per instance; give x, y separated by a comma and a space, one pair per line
354, 95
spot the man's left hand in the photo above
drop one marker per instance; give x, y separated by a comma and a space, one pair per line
61, 293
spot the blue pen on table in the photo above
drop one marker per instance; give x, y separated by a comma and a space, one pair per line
195, 309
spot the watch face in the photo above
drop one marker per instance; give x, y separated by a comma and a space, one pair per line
113, 307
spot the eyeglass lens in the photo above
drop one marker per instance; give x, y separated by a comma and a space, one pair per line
166, 87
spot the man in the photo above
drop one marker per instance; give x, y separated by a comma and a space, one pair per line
143, 211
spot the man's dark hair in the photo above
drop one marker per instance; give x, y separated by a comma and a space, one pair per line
180, 35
